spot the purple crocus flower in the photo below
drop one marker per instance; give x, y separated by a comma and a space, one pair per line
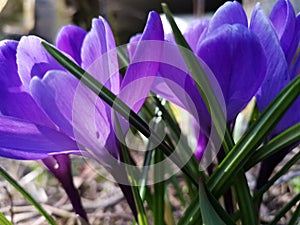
279, 34
27, 132
60, 119
229, 51
69, 104
24, 125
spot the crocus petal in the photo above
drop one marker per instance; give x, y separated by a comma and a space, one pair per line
58, 102
22, 105
237, 60
70, 39
290, 54
201, 146
14, 101
295, 69
284, 20
33, 60
8, 67
196, 32
28, 138
177, 86
74, 108
47, 92
22, 155
228, 13
131, 47
144, 65
91, 122
99, 56
173, 78
277, 69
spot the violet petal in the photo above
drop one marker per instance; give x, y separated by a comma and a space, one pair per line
277, 69
284, 21
76, 110
228, 13
9, 77
33, 59
99, 56
196, 32
144, 66
31, 139
237, 60
69, 40
22, 105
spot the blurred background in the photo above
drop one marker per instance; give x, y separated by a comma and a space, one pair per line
127, 17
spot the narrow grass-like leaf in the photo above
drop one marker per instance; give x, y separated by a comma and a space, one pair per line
209, 215
141, 214
117, 104
237, 157
169, 212
178, 189
159, 190
284, 139
285, 209
176, 133
248, 214
4, 220
168, 116
218, 208
144, 176
281, 172
27, 196
192, 213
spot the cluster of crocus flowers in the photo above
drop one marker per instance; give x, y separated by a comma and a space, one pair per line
255, 59
231, 52
37, 97
45, 113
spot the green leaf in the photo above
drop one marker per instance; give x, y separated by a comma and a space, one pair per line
159, 190
145, 170
237, 157
284, 139
4, 220
141, 215
27, 196
178, 189
169, 212
276, 176
192, 213
209, 215
176, 134
244, 198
